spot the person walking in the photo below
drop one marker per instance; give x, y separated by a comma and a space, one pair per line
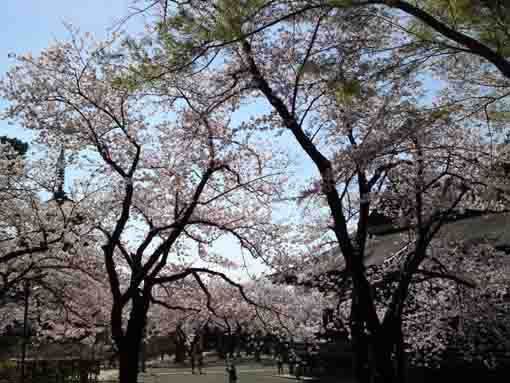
192, 359
279, 363
298, 370
200, 360
232, 373
292, 362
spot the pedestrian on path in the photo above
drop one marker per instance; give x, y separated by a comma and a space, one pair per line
298, 370
292, 362
232, 373
192, 360
279, 363
200, 359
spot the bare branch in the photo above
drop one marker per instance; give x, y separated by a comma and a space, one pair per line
456, 278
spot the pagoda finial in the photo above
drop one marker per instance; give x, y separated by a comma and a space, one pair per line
60, 195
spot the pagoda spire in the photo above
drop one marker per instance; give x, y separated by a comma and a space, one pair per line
59, 195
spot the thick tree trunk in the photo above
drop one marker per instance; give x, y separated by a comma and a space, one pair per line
143, 356
359, 341
383, 369
232, 345
359, 359
364, 326
373, 360
180, 352
378, 347
131, 342
222, 348
180, 346
387, 351
399, 362
238, 337
129, 359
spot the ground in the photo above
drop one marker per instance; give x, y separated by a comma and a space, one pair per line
247, 373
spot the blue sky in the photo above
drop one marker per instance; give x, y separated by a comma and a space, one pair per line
31, 25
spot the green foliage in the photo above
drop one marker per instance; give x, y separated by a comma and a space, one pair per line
310, 67
7, 365
181, 22
177, 49
497, 39
8, 370
232, 15
439, 114
499, 116
146, 68
19, 146
346, 91
229, 22
44, 371
8, 341
128, 83
421, 31
341, 3
458, 11
489, 22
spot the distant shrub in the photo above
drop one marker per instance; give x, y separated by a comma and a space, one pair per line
8, 371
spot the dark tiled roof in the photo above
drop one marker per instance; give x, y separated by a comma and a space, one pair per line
471, 228
493, 229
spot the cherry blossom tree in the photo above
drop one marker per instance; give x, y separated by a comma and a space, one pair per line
286, 312
297, 313
353, 109
174, 176
357, 119
19, 230
464, 320
64, 283
34, 231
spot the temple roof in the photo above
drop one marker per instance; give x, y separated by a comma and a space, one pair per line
472, 228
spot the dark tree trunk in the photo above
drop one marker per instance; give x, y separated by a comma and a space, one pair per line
180, 346
131, 343
376, 357
222, 354
143, 355
386, 350
358, 339
180, 351
400, 360
360, 358
129, 359
232, 345
383, 367
238, 337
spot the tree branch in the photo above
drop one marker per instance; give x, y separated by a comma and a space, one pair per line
456, 278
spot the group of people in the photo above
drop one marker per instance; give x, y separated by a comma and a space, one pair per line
296, 365
197, 359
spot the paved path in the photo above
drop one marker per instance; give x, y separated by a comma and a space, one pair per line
216, 374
